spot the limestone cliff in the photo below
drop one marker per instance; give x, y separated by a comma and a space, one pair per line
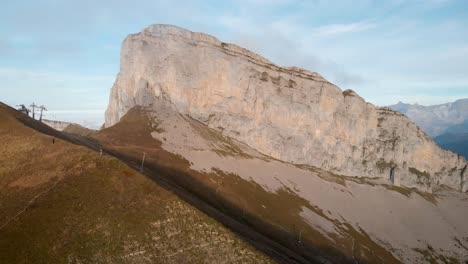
287, 113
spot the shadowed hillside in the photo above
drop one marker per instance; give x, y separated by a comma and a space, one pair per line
64, 203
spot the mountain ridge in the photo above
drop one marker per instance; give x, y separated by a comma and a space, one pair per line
446, 123
286, 113
435, 119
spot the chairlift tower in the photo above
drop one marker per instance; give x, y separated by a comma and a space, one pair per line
33, 105
43, 108
23, 109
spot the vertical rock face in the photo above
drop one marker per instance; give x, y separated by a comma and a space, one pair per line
287, 113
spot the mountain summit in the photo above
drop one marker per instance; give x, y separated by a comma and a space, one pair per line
289, 114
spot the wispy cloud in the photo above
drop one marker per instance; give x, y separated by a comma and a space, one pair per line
54, 89
336, 29
273, 38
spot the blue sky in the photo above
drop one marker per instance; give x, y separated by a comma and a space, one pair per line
65, 54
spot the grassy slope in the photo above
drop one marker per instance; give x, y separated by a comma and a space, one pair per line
77, 129
64, 203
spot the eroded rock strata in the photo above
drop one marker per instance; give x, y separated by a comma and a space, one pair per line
287, 113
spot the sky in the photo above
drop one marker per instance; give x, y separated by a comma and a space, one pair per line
65, 54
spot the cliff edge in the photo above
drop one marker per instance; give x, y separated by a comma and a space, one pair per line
290, 114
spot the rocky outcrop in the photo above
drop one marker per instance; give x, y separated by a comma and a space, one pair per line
57, 125
287, 113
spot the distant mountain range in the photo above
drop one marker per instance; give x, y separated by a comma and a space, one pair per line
457, 142
435, 119
446, 123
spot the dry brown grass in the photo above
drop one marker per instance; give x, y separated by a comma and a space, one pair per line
63, 203
79, 130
